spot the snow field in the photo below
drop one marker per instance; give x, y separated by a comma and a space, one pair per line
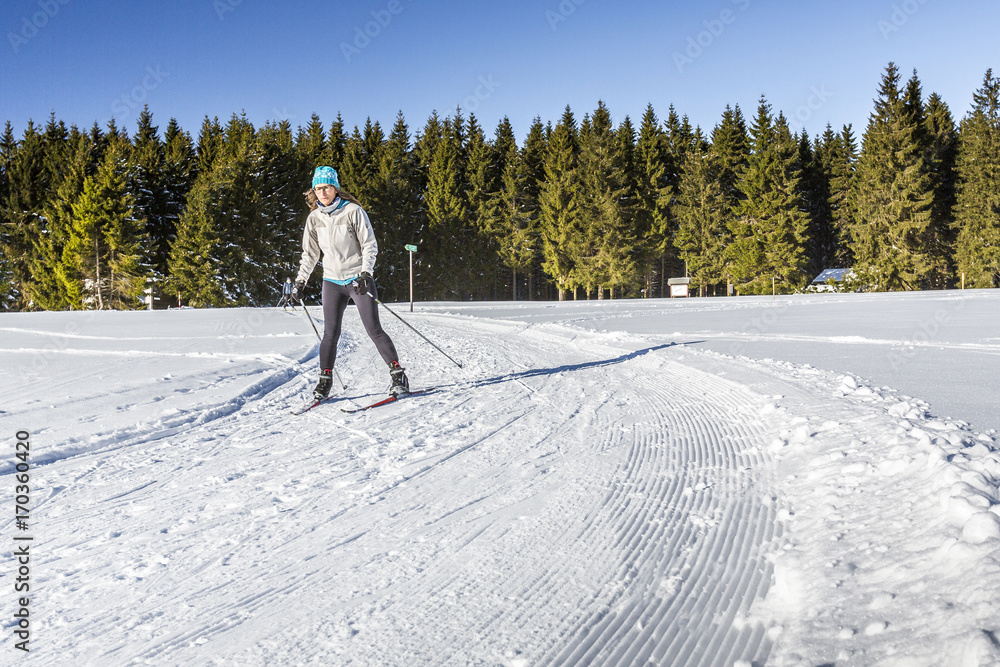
572, 496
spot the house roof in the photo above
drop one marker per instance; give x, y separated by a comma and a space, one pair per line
836, 275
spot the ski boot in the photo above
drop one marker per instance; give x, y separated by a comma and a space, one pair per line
322, 389
400, 385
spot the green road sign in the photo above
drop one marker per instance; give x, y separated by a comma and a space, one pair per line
411, 248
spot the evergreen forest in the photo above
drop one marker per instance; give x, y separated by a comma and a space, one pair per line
583, 208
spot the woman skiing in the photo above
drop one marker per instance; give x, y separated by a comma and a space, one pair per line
338, 229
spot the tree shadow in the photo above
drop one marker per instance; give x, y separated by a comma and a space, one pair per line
570, 368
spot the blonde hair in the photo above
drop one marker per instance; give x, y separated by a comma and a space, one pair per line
313, 201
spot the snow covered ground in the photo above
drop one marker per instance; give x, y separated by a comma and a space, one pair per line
801, 481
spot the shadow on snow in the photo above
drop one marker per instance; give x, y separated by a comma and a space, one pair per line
570, 368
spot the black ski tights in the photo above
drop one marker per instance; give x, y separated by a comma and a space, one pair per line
335, 298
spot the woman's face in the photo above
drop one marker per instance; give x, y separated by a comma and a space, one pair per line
325, 194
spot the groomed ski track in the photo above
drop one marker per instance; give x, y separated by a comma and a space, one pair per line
565, 499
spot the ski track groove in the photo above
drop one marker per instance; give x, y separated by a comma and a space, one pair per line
660, 623
639, 458
630, 529
660, 506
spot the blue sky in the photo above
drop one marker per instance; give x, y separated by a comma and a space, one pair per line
89, 60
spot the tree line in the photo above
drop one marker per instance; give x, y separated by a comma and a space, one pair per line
580, 209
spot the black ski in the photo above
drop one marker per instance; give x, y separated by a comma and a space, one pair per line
387, 401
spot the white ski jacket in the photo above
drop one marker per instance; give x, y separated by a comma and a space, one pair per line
345, 239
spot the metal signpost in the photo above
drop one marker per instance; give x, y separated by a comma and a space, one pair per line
412, 249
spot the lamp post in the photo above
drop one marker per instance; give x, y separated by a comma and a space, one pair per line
412, 249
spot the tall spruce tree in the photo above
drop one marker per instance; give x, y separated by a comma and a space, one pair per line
424, 149
125, 235
282, 204
814, 186
935, 135
210, 145
311, 145
790, 231
8, 145
240, 214
400, 223
769, 228
426, 145
702, 210
360, 172
479, 187
533, 153
480, 176
42, 286
351, 170
196, 272
731, 144
838, 155
560, 199
512, 225
48, 287
681, 138
625, 165
57, 148
893, 196
942, 148
100, 140
656, 181
977, 201
445, 256
148, 188
101, 258
260, 210
336, 143
178, 177
606, 259
28, 183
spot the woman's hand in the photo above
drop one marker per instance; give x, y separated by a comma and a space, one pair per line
364, 284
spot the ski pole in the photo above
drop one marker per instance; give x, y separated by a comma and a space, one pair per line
335, 372
303, 304
414, 330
